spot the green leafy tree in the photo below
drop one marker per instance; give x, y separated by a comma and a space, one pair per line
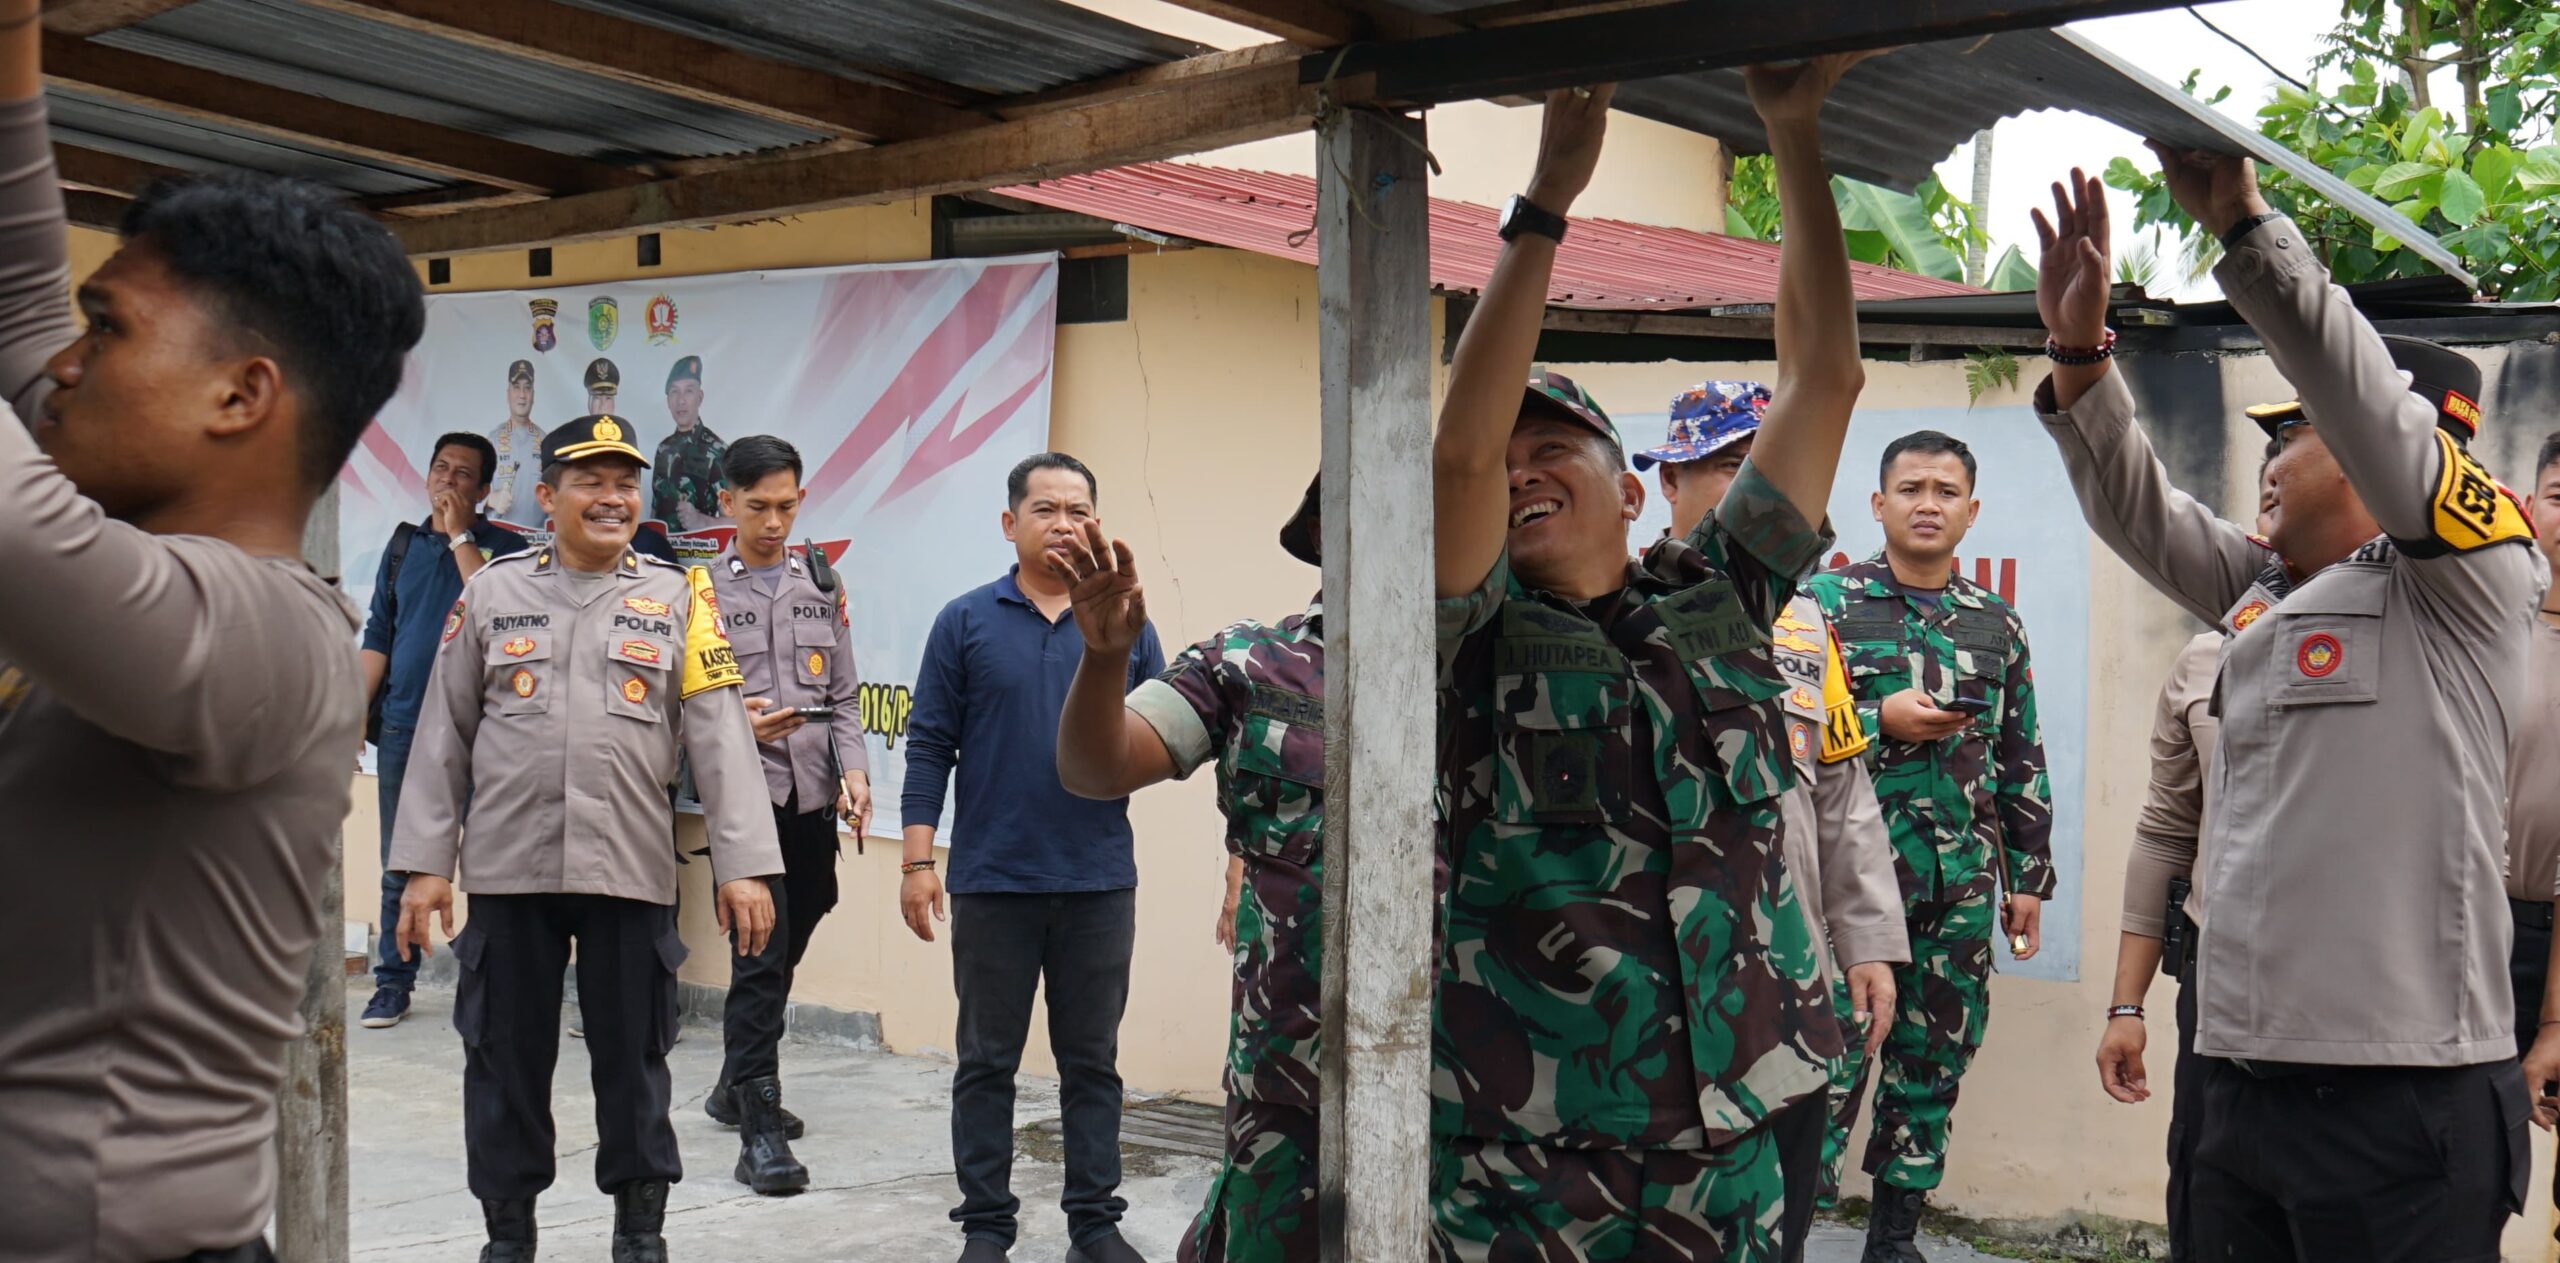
1925, 232
2480, 174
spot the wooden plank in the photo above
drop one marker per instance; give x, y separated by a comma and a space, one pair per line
1373, 286
92, 17
308, 121
1113, 87
1643, 43
107, 172
88, 208
1176, 119
671, 62
1311, 22
311, 1104
1762, 327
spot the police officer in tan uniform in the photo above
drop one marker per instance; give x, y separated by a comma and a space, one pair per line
1835, 842
786, 620
2362, 1098
567, 680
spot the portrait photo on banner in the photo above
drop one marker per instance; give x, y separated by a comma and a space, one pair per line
909, 389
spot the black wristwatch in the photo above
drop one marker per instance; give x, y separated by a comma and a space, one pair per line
2231, 239
1521, 215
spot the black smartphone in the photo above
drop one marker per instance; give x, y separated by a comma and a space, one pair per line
1969, 706
815, 714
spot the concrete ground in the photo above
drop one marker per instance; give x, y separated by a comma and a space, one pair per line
878, 1150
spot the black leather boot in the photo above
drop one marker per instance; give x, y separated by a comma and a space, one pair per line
722, 1106
1893, 1225
511, 1232
640, 1223
765, 1163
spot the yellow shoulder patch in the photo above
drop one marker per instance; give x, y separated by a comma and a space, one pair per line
708, 662
2470, 509
1843, 737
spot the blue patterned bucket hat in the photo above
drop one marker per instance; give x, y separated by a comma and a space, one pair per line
1706, 419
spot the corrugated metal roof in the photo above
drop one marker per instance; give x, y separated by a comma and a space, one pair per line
194, 145
382, 67
998, 47
1604, 265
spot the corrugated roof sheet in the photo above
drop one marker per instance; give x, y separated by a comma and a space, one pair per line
382, 67
998, 47
192, 144
1604, 265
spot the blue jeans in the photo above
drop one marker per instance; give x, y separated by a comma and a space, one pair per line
390, 763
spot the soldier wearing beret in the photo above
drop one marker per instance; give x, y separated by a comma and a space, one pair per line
686, 493
568, 679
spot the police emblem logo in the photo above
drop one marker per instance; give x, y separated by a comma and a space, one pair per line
518, 647
2247, 614
2319, 655
544, 311
604, 320
661, 315
635, 690
644, 605
1799, 739
817, 663
607, 431
452, 623
522, 682
710, 600
1803, 699
641, 651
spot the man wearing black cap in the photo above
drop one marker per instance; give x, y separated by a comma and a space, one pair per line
2361, 1098
686, 493
568, 678
518, 443
604, 387
1251, 700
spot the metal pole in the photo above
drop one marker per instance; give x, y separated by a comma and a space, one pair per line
1374, 304
311, 1108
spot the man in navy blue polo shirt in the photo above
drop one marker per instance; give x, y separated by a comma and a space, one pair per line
421, 573
1043, 883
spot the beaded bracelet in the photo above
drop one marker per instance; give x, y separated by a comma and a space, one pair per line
2061, 354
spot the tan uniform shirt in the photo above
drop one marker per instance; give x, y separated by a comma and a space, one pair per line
2533, 778
557, 706
1836, 841
178, 721
2359, 824
795, 645
2184, 731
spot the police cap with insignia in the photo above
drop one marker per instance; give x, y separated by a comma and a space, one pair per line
2438, 374
603, 378
603, 434
1302, 536
687, 369
520, 372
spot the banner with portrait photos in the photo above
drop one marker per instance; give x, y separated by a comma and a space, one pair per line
910, 390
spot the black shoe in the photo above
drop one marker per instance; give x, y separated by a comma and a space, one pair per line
722, 1106
1107, 1248
511, 1233
1893, 1224
640, 1223
765, 1163
981, 1250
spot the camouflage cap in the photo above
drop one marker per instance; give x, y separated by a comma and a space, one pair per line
1555, 394
1705, 419
1302, 536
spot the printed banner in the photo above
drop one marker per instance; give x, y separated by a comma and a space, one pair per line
2028, 546
910, 389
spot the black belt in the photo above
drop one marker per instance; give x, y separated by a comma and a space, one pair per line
2533, 912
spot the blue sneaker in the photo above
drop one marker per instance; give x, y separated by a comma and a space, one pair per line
388, 1006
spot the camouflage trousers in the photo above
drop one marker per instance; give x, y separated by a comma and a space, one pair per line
1738, 1203
1942, 1002
1262, 1205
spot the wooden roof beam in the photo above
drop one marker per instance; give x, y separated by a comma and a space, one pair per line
108, 172
1179, 118
671, 62
88, 208
390, 140
92, 17
1324, 23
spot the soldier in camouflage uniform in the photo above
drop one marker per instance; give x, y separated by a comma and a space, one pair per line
1945, 695
1251, 700
1631, 1036
1836, 844
686, 492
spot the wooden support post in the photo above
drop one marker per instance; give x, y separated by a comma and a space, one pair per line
1374, 302
311, 1107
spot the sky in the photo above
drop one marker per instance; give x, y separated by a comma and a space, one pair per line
2167, 43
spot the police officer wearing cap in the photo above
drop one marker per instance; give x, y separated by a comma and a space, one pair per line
567, 681
518, 442
2362, 1098
786, 619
